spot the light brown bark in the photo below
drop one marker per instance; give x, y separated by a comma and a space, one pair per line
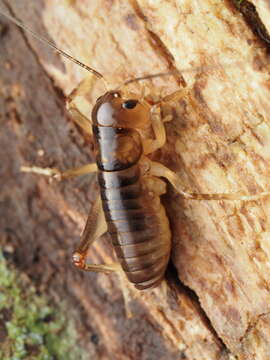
218, 141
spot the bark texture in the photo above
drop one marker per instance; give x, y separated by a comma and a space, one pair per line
217, 306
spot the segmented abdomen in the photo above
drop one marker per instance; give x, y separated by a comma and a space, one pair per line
137, 224
136, 220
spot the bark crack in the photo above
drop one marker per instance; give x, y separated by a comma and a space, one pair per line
205, 319
252, 18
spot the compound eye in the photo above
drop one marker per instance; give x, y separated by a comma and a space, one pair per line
129, 104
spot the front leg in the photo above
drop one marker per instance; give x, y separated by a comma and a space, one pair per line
158, 127
158, 123
76, 103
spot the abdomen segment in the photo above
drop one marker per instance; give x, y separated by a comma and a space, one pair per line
139, 229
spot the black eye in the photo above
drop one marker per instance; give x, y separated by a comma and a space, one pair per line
129, 104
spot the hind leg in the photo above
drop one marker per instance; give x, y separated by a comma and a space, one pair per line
95, 227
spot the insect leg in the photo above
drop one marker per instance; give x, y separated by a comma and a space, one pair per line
94, 228
158, 123
177, 95
57, 174
159, 132
81, 120
76, 101
159, 170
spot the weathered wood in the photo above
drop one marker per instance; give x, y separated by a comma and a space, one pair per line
217, 142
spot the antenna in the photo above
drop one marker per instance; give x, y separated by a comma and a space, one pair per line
175, 72
99, 75
50, 44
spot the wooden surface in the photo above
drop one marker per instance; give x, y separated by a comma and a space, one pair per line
217, 304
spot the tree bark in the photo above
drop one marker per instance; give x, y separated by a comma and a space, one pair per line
217, 306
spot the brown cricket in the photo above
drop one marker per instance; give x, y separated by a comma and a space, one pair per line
130, 194
129, 206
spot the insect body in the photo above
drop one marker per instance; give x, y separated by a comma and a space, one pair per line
130, 189
136, 219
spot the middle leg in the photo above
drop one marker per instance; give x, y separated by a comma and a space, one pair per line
57, 174
159, 170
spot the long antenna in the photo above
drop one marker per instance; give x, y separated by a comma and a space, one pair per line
47, 42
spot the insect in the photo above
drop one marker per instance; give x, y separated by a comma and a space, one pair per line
129, 206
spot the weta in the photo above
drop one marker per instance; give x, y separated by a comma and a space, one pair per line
130, 184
